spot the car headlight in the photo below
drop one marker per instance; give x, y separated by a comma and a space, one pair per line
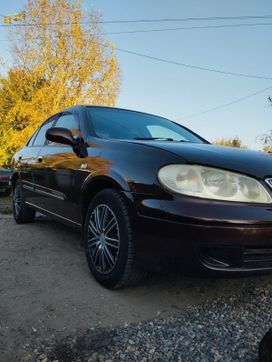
212, 183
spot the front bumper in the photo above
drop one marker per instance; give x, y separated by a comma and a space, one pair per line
207, 236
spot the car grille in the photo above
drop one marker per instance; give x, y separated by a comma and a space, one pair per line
244, 257
257, 257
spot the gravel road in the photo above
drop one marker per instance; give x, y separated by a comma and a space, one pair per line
52, 309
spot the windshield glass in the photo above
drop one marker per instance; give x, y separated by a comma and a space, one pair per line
123, 124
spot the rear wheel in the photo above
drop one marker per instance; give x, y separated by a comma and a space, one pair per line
7, 192
108, 238
21, 212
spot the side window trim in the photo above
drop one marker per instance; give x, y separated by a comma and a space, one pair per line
90, 131
54, 118
31, 139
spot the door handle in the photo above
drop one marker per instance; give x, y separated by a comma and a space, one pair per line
40, 158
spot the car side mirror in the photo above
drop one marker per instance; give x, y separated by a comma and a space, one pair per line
60, 135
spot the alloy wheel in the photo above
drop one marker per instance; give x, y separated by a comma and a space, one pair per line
17, 199
103, 239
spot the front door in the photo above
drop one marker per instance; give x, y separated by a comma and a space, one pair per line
55, 181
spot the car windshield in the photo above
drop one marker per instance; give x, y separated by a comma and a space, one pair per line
123, 124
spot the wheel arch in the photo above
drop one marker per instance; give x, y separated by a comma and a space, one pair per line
96, 183
14, 178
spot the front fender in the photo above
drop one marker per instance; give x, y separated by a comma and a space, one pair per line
112, 177
96, 182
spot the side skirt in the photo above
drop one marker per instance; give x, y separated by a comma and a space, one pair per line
57, 217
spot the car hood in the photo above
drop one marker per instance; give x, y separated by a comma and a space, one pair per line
254, 163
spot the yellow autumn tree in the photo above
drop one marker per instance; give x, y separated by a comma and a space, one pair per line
60, 58
232, 142
267, 149
20, 96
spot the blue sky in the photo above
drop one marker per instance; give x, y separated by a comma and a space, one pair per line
176, 92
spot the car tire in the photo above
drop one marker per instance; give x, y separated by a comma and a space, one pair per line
21, 212
108, 239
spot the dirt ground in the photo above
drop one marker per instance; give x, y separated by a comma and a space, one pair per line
5, 204
46, 287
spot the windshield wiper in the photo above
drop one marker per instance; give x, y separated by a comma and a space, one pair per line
153, 138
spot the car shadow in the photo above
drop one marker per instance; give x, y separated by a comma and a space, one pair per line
162, 292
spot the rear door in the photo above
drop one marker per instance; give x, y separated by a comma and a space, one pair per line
55, 180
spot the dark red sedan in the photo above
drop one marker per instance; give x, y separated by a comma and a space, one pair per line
140, 186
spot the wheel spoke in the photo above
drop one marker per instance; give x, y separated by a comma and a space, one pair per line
93, 244
93, 229
95, 254
110, 225
109, 254
112, 242
93, 238
96, 220
112, 245
101, 263
109, 259
104, 213
104, 267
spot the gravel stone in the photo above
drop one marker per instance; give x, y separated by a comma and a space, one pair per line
225, 329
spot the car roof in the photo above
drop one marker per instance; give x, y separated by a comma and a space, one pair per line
79, 106
82, 106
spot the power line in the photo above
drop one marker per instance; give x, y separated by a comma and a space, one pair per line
193, 66
188, 28
176, 63
180, 28
134, 21
225, 104
212, 18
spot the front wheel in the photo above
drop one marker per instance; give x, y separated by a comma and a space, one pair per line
108, 238
21, 212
